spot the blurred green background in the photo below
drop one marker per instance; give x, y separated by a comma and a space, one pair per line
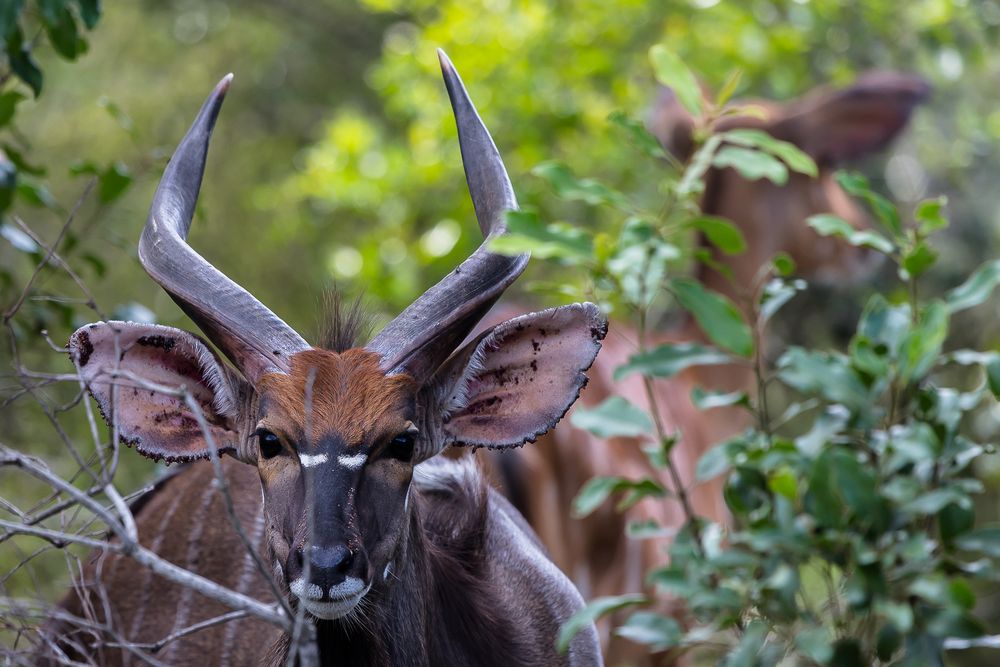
335, 158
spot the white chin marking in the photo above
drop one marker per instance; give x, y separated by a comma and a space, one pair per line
353, 462
344, 597
310, 460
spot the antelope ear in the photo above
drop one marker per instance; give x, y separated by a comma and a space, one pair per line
671, 123
848, 124
513, 383
117, 360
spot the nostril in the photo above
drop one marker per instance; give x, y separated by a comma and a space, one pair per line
332, 559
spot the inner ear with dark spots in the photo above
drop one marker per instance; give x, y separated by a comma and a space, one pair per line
140, 376
521, 377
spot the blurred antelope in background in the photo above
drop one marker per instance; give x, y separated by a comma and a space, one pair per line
832, 127
398, 556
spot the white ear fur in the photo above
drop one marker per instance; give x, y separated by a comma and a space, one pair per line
158, 424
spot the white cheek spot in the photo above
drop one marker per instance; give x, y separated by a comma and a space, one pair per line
406, 500
387, 571
310, 460
353, 462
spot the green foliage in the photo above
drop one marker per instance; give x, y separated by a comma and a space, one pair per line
854, 513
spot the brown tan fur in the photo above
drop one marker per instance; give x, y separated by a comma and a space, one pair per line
595, 551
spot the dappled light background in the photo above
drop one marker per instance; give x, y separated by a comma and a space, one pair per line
335, 158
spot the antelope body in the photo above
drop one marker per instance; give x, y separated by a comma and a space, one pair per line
832, 127
398, 556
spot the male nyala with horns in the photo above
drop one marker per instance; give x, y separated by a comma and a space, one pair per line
399, 556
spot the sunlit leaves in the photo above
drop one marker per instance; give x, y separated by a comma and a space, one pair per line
526, 233
830, 225
976, 289
673, 73
568, 186
637, 134
669, 359
751, 164
614, 417
598, 489
789, 153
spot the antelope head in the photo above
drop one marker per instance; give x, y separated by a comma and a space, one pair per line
831, 126
334, 434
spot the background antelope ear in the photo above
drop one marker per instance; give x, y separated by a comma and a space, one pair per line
670, 122
158, 425
515, 381
847, 124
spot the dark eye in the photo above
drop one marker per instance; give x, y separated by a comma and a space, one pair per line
401, 447
269, 444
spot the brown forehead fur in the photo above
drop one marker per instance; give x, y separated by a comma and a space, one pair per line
351, 396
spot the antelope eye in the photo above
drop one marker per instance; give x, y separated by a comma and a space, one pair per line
401, 447
268, 443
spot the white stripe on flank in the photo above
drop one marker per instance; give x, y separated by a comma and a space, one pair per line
354, 462
310, 460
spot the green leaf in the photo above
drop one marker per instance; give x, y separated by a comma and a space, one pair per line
61, 29
716, 315
598, 489
35, 194
569, 187
8, 183
922, 345
993, 376
590, 613
955, 520
784, 482
814, 643
728, 88
976, 289
776, 294
10, 10
18, 239
653, 630
827, 425
90, 12
8, 105
929, 215
669, 359
751, 164
706, 400
638, 135
674, 74
614, 417
783, 264
113, 182
23, 64
718, 459
857, 185
721, 233
826, 374
982, 540
918, 259
789, 153
827, 224
525, 233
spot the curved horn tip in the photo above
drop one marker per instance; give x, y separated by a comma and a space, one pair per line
445, 61
223, 86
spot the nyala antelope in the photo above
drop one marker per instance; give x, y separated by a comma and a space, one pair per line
399, 556
833, 127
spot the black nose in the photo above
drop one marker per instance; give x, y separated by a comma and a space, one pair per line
327, 565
